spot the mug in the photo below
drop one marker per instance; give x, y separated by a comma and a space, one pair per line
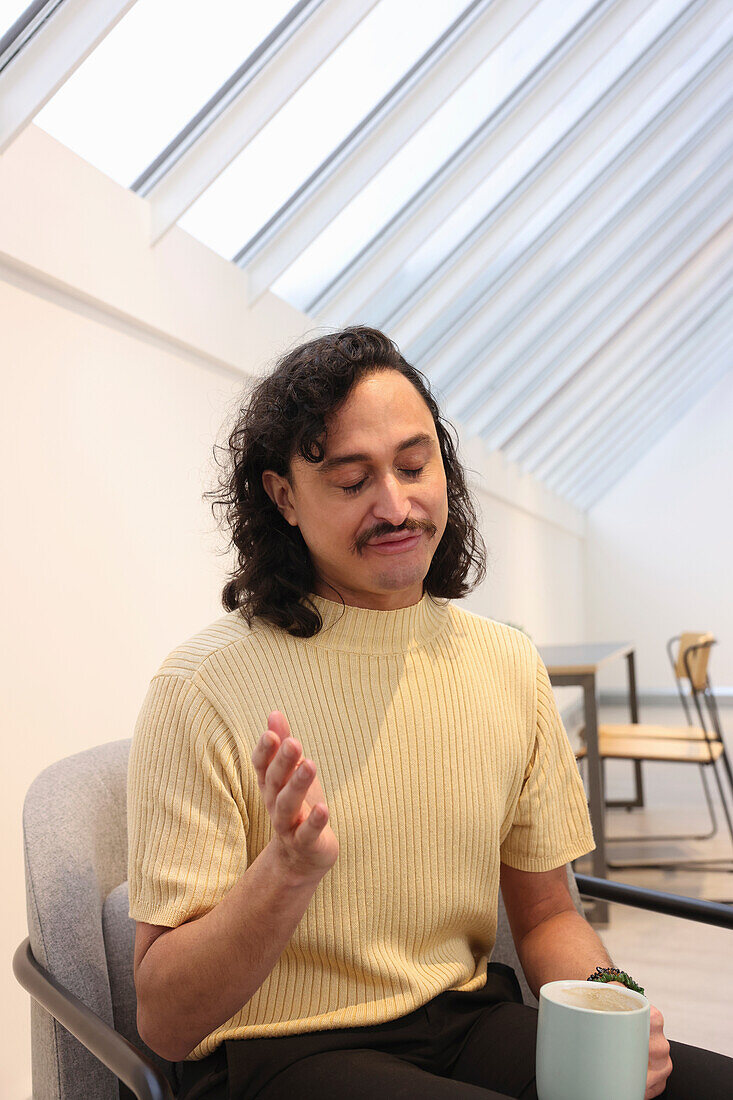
591, 1053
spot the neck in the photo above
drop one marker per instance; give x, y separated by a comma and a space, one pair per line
351, 629
373, 601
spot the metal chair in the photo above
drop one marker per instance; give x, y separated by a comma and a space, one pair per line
701, 744
77, 962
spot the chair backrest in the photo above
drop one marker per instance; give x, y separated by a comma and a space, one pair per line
75, 849
695, 667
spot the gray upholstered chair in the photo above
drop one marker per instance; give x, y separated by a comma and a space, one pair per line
77, 961
75, 849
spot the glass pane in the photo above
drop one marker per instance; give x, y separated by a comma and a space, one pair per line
436, 141
321, 263
378, 52
543, 137
610, 147
151, 74
10, 10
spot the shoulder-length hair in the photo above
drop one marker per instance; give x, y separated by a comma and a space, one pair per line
286, 414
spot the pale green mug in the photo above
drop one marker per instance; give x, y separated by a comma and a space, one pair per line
588, 1051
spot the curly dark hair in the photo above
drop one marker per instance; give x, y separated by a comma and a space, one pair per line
286, 414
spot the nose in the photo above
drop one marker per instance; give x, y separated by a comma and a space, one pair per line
392, 504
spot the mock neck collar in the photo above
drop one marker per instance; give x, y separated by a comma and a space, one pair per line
364, 630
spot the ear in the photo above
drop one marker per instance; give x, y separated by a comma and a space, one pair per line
280, 493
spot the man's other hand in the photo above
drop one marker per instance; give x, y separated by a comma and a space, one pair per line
660, 1063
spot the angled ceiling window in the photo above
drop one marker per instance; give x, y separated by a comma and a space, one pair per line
597, 51
10, 11
590, 114
532, 197
319, 116
151, 75
15, 30
508, 63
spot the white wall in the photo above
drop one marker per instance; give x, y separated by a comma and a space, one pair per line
660, 546
120, 364
536, 553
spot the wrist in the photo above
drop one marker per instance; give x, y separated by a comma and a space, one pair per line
612, 975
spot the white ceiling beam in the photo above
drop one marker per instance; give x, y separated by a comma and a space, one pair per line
15, 37
677, 407
48, 58
613, 296
588, 168
683, 406
680, 308
531, 322
244, 105
567, 264
647, 385
348, 296
617, 453
428, 84
618, 438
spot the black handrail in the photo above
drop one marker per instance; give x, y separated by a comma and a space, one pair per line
672, 905
112, 1049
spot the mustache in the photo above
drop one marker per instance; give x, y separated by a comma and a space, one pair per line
382, 532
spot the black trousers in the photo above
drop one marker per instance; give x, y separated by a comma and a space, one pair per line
459, 1046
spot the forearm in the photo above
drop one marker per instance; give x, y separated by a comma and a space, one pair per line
198, 975
563, 946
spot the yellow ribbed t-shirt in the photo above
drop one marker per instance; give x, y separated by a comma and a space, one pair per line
440, 752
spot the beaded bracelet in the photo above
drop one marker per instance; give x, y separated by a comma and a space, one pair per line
613, 974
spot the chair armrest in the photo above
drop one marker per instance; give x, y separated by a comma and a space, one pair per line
124, 1060
673, 905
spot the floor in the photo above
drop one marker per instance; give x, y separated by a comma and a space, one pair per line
686, 967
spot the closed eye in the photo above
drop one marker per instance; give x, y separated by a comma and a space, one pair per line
355, 488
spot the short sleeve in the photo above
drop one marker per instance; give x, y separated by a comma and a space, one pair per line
187, 820
551, 825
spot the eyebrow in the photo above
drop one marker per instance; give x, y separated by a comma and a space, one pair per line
343, 460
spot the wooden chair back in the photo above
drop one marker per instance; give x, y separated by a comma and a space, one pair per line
697, 660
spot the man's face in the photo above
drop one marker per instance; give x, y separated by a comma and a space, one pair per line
342, 507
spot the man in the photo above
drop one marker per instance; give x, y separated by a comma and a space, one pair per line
328, 785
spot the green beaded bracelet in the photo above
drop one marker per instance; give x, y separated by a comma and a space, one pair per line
612, 974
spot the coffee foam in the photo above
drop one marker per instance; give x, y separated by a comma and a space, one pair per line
598, 997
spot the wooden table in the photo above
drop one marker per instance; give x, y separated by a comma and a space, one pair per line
579, 665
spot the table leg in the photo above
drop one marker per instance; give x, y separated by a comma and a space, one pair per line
595, 789
634, 708
638, 799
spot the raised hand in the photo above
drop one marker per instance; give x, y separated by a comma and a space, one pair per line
295, 802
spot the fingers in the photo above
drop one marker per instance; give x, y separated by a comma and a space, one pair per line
285, 812
312, 826
277, 721
263, 753
284, 776
660, 1062
277, 731
278, 728
274, 758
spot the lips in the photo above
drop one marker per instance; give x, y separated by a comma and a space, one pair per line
394, 538
395, 547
